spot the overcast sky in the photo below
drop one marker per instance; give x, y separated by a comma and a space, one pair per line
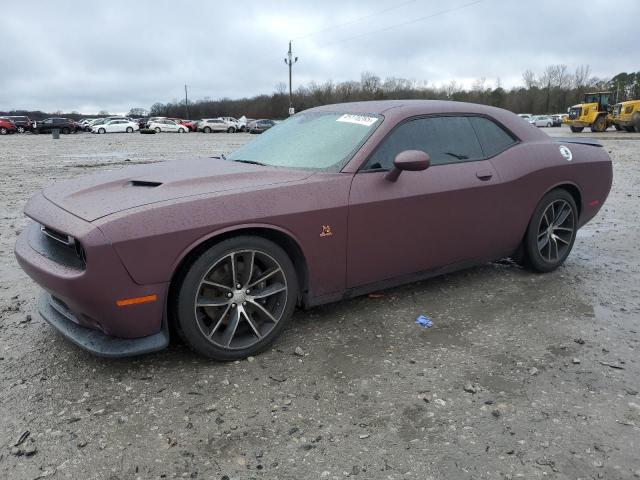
94, 55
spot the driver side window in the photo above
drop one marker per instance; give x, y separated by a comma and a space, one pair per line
445, 139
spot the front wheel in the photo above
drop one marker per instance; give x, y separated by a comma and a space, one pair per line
157, 129
182, 130
630, 129
236, 298
102, 131
551, 231
20, 129
3, 131
576, 129
129, 129
206, 130
231, 130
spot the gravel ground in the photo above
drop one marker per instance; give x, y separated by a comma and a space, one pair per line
522, 376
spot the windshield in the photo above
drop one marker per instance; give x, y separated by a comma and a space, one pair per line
314, 140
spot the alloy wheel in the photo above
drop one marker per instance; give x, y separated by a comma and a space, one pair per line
241, 299
556, 230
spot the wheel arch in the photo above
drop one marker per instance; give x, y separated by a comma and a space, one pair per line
284, 239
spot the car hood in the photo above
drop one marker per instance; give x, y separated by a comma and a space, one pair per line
94, 196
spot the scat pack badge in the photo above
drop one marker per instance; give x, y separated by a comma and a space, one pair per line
326, 231
566, 153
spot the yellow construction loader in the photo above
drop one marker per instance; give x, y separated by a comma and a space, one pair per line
626, 116
593, 112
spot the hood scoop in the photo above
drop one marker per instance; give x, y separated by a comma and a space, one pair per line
144, 183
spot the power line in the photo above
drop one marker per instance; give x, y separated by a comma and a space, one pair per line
356, 20
441, 12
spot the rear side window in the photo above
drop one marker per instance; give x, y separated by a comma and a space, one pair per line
445, 139
493, 138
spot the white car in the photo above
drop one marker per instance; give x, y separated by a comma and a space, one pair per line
119, 125
208, 125
526, 116
165, 125
541, 121
239, 125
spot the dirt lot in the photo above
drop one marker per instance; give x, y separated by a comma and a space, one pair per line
522, 376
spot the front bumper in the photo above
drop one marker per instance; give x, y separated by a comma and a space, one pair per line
94, 341
89, 290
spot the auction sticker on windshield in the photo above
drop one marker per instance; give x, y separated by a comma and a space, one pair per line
358, 119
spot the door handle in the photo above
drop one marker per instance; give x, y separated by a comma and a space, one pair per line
484, 175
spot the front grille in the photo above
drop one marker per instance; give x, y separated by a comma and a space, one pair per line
574, 113
57, 246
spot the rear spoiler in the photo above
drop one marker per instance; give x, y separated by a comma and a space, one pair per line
583, 141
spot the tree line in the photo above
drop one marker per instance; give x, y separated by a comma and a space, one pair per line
551, 91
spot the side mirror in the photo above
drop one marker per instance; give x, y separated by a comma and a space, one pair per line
409, 160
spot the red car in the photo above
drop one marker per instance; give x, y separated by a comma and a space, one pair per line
334, 202
7, 126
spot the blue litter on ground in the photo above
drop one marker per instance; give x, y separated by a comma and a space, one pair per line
424, 321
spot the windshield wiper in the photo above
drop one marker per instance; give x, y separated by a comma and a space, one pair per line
251, 162
459, 157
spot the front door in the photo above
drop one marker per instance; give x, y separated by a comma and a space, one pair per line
425, 220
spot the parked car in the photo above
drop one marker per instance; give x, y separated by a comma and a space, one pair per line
65, 125
7, 126
238, 125
230, 246
208, 125
142, 122
557, 119
190, 124
116, 126
541, 121
526, 116
165, 125
22, 123
259, 126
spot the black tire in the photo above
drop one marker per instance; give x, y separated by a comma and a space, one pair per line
66, 131
3, 131
629, 129
576, 129
20, 129
231, 130
102, 131
157, 130
600, 125
206, 130
636, 122
193, 321
129, 129
182, 130
547, 258
617, 127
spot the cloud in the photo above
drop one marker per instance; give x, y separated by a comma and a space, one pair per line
89, 56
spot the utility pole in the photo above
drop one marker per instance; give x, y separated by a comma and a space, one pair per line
186, 101
290, 60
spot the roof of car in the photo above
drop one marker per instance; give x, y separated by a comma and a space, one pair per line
397, 110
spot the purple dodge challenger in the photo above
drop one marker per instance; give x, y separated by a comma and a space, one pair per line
334, 202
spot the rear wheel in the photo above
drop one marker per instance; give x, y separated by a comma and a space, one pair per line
236, 298
20, 129
636, 122
3, 131
102, 130
629, 129
600, 125
157, 129
129, 129
576, 129
182, 130
617, 127
551, 231
206, 130
548, 125
231, 130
